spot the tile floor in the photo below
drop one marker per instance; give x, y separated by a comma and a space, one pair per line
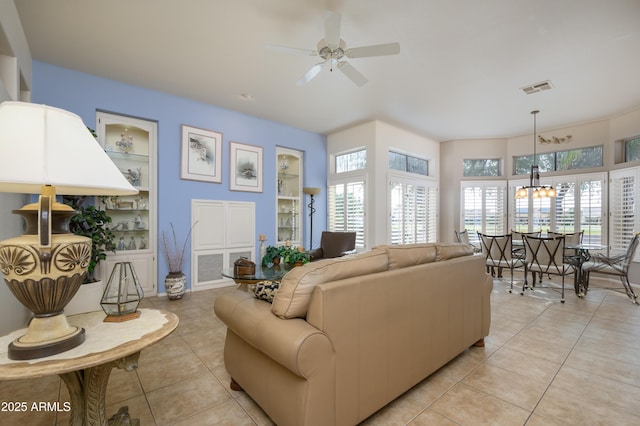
544, 363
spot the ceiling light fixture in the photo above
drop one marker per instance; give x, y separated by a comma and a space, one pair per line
539, 191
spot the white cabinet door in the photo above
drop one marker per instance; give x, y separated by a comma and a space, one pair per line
223, 232
208, 216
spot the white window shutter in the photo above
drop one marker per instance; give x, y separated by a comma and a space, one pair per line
623, 220
347, 209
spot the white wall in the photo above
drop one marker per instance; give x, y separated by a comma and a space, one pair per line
377, 138
15, 81
451, 155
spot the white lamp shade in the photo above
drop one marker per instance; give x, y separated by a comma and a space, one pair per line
43, 145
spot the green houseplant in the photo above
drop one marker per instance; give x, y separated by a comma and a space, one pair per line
295, 256
271, 256
93, 223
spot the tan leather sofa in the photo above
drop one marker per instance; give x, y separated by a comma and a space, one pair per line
346, 336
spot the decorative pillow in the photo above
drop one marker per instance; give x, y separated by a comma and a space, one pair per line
266, 290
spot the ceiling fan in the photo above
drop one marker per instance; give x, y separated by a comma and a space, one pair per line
332, 49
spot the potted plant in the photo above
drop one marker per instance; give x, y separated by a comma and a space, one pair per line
272, 256
176, 281
295, 256
92, 223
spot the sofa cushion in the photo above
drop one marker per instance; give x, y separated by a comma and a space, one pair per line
452, 250
297, 285
401, 256
266, 290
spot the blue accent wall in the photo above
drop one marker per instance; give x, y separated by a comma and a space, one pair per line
83, 94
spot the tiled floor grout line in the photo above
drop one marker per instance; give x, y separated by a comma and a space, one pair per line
563, 363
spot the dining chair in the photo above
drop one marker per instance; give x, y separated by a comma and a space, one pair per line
614, 265
463, 237
519, 236
498, 253
571, 253
570, 239
545, 255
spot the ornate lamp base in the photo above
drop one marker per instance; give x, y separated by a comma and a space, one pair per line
45, 279
46, 336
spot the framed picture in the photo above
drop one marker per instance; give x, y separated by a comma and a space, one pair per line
201, 157
246, 167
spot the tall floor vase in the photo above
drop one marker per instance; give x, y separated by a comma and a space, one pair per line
175, 283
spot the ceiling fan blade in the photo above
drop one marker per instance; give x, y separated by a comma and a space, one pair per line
292, 50
332, 29
310, 75
374, 50
353, 74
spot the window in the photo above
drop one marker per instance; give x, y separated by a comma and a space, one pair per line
350, 161
624, 219
522, 165
413, 211
632, 149
578, 206
484, 208
346, 209
483, 167
408, 163
592, 211
560, 160
579, 158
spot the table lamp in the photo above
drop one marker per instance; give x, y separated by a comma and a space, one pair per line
46, 150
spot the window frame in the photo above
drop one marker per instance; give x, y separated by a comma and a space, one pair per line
362, 236
625, 145
498, 167
407, 158
337, 156
483, 186
535, 207
554, 161
431, 224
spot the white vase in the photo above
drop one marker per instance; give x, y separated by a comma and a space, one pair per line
175, 283
87, 299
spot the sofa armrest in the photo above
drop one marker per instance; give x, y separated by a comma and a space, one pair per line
293, 343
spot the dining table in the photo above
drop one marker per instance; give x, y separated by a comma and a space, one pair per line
582, 254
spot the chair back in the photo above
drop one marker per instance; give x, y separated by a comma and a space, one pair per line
336, 244
546, 255
574, 238
631, 250
462, 236
519, 236
496, 248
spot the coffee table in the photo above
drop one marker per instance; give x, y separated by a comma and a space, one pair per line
275, 273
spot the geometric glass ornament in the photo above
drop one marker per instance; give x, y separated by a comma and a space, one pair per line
123, 294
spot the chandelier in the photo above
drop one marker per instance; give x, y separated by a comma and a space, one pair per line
539, 191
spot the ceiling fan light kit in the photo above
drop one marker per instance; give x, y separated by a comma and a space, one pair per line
332, 49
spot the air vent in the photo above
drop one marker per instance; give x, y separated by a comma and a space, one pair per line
538, 87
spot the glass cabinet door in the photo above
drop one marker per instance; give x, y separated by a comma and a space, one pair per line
131, 145
289, 196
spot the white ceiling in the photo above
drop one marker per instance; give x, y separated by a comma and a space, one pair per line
458, 75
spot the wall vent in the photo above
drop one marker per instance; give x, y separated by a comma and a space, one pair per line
538, 87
